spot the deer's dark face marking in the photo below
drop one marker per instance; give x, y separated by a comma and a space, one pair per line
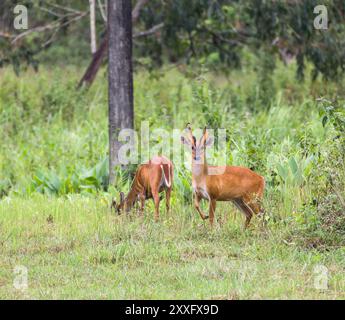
198, 147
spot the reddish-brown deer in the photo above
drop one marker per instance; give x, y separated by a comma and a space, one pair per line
240, 185
150, 179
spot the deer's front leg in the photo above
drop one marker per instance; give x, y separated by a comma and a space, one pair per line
197, 206
212, 210
142, 203
167, 199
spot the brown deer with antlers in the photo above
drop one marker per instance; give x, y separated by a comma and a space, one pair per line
150, 179
240, 185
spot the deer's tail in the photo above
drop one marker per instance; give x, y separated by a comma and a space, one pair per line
167, 181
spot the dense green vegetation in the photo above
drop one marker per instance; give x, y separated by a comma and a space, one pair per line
54, 200
215, 33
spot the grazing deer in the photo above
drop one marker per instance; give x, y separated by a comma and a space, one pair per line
150, 179
240, 185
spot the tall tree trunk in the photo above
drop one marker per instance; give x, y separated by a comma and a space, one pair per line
120, 76
93, 26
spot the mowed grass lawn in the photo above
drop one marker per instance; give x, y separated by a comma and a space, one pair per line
74, 247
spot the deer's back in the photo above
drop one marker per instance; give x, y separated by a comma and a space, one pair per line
150, 174
231, 182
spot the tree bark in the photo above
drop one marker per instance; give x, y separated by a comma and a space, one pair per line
120, 76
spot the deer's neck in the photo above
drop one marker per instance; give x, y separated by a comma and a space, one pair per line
199, 171
199, 182
131, 197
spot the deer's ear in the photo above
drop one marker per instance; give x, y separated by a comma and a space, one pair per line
122, 196
209, 141
185, 141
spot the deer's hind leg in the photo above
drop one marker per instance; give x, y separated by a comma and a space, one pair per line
246, 209
167, 199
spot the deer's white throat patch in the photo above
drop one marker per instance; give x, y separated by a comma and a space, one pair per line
201, 191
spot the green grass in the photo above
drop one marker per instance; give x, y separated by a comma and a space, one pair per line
76, 248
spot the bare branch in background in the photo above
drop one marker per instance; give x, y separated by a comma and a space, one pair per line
64, 8
93, 26
150, 31
97, 59
50, 40
99, 55
50, 11
231, 42
103, 9
137, 9
95, 64
51, 26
